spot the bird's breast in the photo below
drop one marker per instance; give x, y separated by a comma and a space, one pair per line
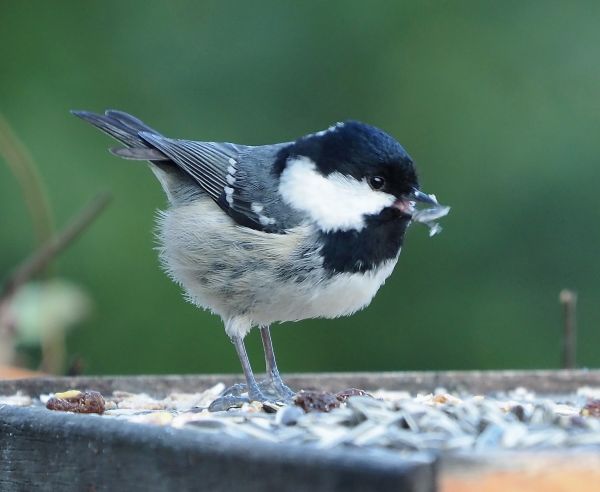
322, 295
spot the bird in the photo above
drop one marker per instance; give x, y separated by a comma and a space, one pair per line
309, 228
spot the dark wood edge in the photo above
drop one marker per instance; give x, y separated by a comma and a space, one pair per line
45, 449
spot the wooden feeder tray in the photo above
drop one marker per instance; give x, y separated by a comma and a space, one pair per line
45, 450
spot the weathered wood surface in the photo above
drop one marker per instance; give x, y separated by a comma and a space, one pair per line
544, 382
11, 372
522, 471
45, 450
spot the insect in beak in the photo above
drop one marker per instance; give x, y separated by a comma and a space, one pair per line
419, 196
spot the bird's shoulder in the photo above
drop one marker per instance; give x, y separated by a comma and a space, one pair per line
239, 178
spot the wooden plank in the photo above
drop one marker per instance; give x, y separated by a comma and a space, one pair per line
544, 382
10, 372
44, 450
546, 471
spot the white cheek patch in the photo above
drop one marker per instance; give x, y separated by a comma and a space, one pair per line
334, 202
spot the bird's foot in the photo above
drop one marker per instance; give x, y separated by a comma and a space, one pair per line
226, 402
282, 391
265, 391
272, 389
235, 396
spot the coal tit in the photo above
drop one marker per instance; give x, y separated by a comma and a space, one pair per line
273, 233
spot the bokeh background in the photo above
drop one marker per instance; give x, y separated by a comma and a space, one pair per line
498, 103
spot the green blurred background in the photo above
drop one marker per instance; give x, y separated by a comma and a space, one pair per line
498, 103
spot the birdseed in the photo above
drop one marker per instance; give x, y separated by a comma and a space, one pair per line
441, 421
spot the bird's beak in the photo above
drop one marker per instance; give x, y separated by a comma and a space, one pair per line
419, 196
406, 204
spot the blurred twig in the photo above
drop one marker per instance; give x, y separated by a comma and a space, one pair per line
568, 300
21, 164
48, 251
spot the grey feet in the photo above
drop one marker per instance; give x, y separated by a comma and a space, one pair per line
273, 391
282, 391
224, 403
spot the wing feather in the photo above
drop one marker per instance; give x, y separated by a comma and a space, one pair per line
238, 178
214, 166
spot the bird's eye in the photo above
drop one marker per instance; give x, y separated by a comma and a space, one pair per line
376, 182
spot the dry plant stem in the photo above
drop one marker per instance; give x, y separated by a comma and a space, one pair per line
53, 353
53, 350
47, 252
21, 164
568, 300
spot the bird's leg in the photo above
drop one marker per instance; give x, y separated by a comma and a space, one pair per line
273, 377
232, 397
254, 392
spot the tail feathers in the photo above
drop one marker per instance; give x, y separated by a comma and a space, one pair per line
129, 121
138, 153
125, 128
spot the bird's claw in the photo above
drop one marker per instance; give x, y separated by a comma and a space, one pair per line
226, 402
265, 391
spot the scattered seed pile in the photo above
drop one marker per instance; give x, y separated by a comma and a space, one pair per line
440, 421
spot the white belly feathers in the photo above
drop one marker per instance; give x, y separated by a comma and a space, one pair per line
254, 277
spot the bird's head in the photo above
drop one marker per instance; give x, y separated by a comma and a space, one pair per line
341, 176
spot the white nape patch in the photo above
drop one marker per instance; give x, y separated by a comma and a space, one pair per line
231, 170
232, 161
257, 207
230, 179
332, 128
334, 202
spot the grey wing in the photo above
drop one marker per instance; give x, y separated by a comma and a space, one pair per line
236, 177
